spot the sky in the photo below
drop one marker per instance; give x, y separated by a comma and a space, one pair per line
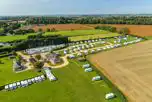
53, 7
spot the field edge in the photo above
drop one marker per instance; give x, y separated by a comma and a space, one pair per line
109, 82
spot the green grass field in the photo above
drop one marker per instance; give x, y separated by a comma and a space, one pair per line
78, 32
12, 38
63, 33
7, 75
78, 38
73, 85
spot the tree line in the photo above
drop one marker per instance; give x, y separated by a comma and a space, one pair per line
34, 41
114, 29
137, 20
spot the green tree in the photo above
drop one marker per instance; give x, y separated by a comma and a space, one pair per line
38, 56
40, 30
53, 30
38, 65
48, 30
124, 31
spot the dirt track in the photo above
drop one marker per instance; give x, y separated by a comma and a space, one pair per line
129, 68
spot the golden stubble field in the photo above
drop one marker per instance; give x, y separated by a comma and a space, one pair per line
130, 69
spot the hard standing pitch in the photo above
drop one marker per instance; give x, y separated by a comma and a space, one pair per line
130, 69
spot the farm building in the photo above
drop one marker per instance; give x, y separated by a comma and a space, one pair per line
53, 58
17, 66
32, 60
49, 74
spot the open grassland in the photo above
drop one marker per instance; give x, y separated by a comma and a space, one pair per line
140, 30
63, 33
78, 32
64, 27
78, 38
73, 85
129, 68
7, 75
12, 38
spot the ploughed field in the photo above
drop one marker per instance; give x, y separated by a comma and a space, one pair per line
140, 30
129, 68
64, 27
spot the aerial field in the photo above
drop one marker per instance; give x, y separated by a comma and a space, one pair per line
73, 85
79, 38
63, 27
140, 30
63, 33
129, 68
7, 75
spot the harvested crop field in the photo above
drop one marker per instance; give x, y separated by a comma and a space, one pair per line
140, 30
130, 69
64, 27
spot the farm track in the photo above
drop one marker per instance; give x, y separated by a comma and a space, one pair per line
130, 69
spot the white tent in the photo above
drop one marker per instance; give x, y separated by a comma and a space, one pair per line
86, 66
49, 74
26, 83
96, 78
83, 47
104, 48
36, 79
92, 51
11, 86
22, 84
88, 70
43, 77
71, 56
18, 84
109, 96
65, 52
40, 79
99, 49
6, 87
14, 86
33, 80
77, 43
79, 54
29, 81
91, 45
